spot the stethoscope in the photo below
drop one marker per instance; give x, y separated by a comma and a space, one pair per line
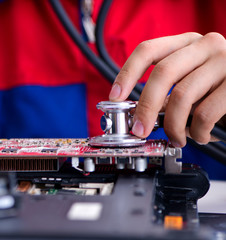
105, 65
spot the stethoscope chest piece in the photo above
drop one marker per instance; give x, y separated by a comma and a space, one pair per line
116, 123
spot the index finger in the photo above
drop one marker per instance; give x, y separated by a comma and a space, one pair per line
147, 53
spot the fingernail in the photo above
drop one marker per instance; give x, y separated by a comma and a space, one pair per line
176, 144
138, 128
115, 92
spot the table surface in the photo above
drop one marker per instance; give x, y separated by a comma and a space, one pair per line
215, 200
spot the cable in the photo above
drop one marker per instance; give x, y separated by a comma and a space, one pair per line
100, 44
219, 145
210, 149
110, 75
219, 132
100, 36
97, 62
217, 150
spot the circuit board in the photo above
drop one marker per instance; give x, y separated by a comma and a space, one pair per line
50, 155
74, 147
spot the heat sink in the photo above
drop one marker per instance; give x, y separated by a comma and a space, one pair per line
29, 164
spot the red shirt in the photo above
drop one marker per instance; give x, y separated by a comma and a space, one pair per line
36, 50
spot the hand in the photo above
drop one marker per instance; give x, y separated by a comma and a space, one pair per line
196, 65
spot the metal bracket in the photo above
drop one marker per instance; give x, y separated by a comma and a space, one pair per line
171, 164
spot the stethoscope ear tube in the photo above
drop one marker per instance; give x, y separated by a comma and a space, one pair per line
110, 72
98, 63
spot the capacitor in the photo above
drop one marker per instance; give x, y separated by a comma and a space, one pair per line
140, 164
89, 165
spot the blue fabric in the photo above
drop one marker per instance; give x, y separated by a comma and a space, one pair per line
214, 169
35, 111
58, 112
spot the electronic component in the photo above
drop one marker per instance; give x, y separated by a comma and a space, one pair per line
44, 188
50, 154
74, 147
